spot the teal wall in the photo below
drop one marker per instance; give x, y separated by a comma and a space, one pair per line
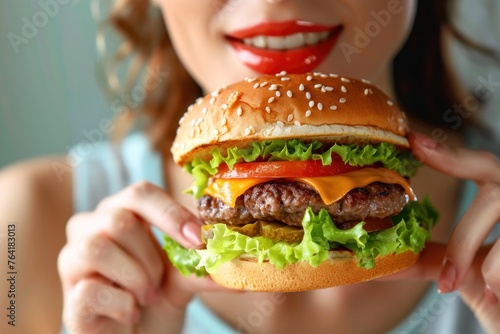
48, 90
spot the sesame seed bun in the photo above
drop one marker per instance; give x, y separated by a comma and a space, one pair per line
329, 108
340, 269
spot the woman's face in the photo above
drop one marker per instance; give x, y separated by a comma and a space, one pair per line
222, 41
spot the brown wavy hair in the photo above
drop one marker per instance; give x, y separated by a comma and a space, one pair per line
424, 82
145, 44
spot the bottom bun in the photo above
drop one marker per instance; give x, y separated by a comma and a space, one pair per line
340, 269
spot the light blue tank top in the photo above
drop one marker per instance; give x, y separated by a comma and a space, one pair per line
107, 168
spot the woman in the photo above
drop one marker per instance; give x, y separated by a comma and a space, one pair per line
114, 275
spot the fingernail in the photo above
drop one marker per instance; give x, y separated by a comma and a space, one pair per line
425, 141
191, 231
448, 277
490, 295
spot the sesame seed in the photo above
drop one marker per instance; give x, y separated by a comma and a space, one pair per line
239, 111
199, 100
247, 131
324, 76
256, 85
301, 87
215, 93
192, 133
323, 89
308, 113
278, 94
333, 107
251, 79
320, 106
273, 87
333, 75
367, 91
316, 74
290, 118
271, 99
318, 85
309, 78
389, 102
212, 100
297, 123
224, 106
280, 123
329, 88
311, 104
342, 100
282, 73
285, 79
268, 110
215, 132
308, 95
345, 80
343, 89
289, 93
190, 107
264, 84
365, 81
224, 121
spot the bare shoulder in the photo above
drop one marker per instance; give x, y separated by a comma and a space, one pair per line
38, 182
36, 202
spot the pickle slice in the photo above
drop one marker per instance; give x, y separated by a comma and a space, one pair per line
281, 232
271, 230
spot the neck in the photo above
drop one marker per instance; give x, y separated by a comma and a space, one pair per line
383, 79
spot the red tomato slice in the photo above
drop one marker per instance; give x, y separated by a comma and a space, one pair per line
285, 169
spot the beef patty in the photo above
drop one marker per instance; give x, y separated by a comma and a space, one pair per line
286, 202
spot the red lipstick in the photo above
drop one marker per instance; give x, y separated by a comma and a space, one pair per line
268, 57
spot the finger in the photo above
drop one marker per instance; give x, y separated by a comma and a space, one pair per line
468, 236
92, 299
127, 231
99, 255
427, 267
159, 209
491, 274
459, 162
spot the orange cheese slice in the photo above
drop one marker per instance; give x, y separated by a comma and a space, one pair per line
330, 188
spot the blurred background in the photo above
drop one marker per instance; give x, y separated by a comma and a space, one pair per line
50, 99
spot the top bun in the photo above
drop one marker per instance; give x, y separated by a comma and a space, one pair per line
285, 106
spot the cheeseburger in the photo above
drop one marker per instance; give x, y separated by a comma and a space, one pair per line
303, 182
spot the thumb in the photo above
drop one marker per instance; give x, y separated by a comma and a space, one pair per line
427, 267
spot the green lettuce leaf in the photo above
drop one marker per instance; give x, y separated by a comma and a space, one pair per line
411, 230
294, 149
185, 260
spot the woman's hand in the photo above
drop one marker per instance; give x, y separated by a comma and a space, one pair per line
115, 275
464, 264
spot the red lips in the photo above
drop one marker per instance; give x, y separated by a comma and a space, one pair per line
300, 59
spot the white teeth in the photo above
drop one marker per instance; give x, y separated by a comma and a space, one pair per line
259, 41
288, 42
294, 41
312, 38
277, 43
